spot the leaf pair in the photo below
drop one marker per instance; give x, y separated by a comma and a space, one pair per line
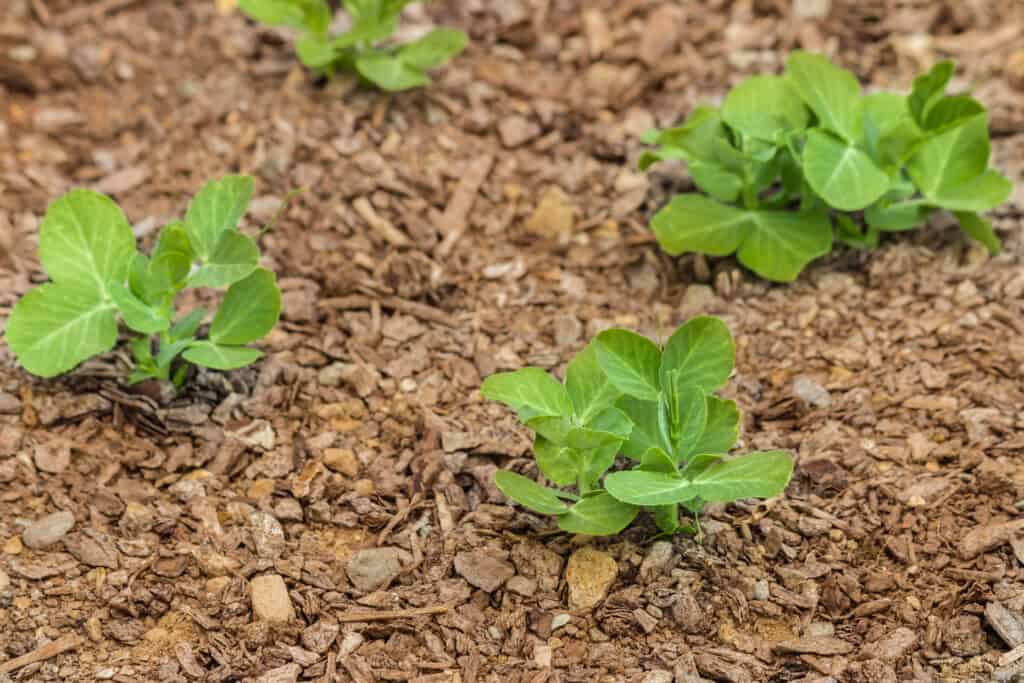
625, 394
787, 156
87, 247
391, 68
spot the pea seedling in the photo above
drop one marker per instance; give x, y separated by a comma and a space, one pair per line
656, 406
363, 49
787, 157
88, 249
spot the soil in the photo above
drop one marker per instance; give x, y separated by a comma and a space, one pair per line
329, 514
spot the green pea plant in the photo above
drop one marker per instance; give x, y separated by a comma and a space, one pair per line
656, 406
87, 247
788, 160
365, 48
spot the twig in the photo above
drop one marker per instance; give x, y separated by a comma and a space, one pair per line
418, 310
382, 226
454, 220
85, 13
387, 615
397, 518
41, 654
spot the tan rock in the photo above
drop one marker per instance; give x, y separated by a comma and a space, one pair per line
341, 460
270, 599
555, 214
590, 573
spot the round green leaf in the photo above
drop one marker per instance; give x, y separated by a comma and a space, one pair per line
843, 175
641, 487
782, 243
136, 314
831, 92
86, 241
722, 427
755, 475
235, 258
597, 515
217, 207
433, 49
701, 351
56, 326
529, 493
765, 107
692, 222
588, 387
390, 73
631, 363
531, 392
250, 310
219, 357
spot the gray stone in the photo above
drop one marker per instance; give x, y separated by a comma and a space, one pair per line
482, 570
48, 530
374, 568
267, 535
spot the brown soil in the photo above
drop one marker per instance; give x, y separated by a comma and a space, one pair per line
893, 556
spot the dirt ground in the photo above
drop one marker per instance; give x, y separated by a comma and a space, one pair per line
329, 515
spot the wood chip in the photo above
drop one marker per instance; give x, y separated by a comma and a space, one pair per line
382, 226
41, 654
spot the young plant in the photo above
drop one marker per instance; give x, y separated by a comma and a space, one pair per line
364, 48
656, 406
88, 249
789, 160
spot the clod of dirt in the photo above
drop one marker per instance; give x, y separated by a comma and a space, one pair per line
517, 130
985, 538
374, 568
657, 560
93, 548
270, 599
589, 573
48, 530
483, 570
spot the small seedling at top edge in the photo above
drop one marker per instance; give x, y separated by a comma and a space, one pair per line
789, 161
656, 406
88, 249
364, 48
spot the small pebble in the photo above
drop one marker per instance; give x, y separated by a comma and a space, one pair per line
48, 530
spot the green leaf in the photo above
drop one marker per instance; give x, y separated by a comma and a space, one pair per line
691, 222
784, 242
852, 235
273, 12
755, 475
702, 352
842, 174
689, 415
765, 108
952, 158
390, 73
648, 427
950, 110
554, 428
640, 487
980, 229
897, 217
137, 314
722, 427
696, 138
832, 93
172, 257
717, 181
56, 326
315, 51
560, 464
698, 464
235, 258
657, 460
168, 352
143, 283
249, 310
217, 207
433, 49
886, 111
220, 357
85, 241
529, 493
188, 324
982, 193
631, 363
928, 88
587, 385
531, 392
597, 515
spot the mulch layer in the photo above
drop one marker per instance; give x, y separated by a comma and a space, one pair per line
329, 514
